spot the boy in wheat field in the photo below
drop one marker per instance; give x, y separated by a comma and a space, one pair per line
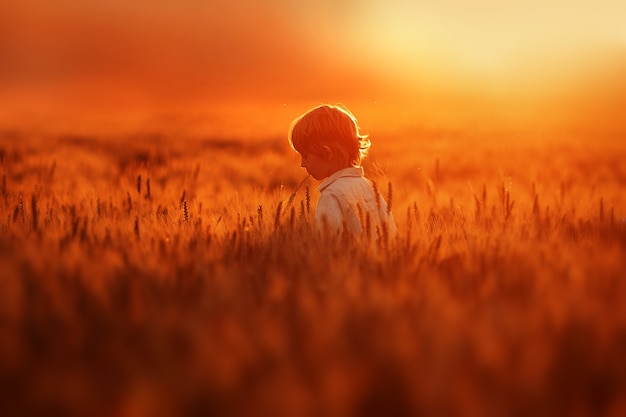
327, 138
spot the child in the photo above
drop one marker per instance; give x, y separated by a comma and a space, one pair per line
328, 140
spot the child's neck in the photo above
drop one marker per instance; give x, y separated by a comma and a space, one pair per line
340, 166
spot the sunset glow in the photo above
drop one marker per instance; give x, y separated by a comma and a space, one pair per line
438, 61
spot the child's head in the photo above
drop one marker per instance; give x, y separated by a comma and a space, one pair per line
329, 130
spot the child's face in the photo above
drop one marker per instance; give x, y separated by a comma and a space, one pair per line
316, 165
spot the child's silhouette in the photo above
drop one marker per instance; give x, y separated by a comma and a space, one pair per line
328, 139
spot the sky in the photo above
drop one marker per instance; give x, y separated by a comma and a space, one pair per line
246, 67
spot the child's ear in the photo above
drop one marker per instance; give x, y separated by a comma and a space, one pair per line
327, 152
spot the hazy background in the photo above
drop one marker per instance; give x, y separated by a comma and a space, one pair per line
247, 67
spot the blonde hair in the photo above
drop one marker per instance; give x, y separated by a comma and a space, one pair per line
333, 126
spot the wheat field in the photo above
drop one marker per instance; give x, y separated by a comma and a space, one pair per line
162, 275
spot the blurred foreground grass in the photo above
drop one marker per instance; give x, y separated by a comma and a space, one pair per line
160, 276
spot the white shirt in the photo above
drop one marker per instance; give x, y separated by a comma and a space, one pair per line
347, 196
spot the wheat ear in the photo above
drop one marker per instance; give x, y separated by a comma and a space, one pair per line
293, 195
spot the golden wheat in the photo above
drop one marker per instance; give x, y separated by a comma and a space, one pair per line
111, 305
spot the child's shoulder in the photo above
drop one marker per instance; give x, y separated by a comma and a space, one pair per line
346, 182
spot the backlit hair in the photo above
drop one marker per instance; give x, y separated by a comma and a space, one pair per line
333, 126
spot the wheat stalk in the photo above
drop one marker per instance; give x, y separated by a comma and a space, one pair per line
185, 211
293, 195
136, 228
33, 206
259, 215
277, 216
377, 195
148, 194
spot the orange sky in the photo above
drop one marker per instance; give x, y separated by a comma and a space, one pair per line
448, 62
